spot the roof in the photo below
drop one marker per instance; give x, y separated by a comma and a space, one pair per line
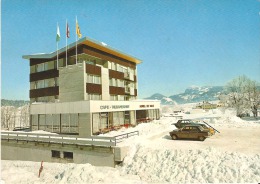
89, 42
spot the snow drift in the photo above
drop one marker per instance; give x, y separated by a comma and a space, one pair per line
154, 157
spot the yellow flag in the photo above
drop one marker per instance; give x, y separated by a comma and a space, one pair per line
78, 30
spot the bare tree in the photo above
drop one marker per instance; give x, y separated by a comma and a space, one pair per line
242, 94
24, 116
8, 117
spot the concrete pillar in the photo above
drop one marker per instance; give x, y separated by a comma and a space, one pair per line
105, 84
85, 125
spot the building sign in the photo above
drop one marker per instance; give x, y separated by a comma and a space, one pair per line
145, 106
111, 107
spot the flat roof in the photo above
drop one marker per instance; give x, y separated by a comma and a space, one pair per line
89, 42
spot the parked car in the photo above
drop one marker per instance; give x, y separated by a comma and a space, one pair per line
184, 122
190, 132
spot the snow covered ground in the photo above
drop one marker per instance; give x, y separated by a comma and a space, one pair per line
231, 156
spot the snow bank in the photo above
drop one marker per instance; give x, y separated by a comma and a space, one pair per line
153, 158
27, 172
143, 165
191, 166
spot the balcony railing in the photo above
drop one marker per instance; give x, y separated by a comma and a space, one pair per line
127, 90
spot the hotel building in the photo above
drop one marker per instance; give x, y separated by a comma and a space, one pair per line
84, 94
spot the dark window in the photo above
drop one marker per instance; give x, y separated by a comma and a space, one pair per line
186, 129
68, 155
55, 154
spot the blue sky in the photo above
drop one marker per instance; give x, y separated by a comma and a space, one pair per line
181, 42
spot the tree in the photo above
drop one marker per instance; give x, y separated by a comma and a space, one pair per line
242, 94
8, 117
12, 117
24, 116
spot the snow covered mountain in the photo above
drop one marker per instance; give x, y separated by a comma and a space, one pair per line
191, 95
164, 99
15, 103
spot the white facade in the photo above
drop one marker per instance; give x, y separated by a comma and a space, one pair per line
87, 118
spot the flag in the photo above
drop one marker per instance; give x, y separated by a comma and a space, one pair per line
78, 30
58, 34
67, 31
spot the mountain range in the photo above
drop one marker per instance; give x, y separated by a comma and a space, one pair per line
15, 103
191, 95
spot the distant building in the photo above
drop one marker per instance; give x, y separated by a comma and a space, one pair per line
87, 93
206, 105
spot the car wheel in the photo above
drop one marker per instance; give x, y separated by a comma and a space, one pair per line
174, 137
201, 138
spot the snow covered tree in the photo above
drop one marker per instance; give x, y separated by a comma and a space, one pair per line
242, 94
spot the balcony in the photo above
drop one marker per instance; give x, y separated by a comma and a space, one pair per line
50, 91
129, 76
129, 90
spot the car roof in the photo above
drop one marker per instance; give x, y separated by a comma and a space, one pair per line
194, 125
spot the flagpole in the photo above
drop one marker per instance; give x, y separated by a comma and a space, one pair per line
66, 43
76, 43
57, 56
57, 48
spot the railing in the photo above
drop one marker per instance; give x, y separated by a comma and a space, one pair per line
126, 75
52, 138
127, 89
66, 139
119, 138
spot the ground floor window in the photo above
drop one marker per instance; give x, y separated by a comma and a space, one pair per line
58, 123
107, 121
68, 155
55, 154
147, 115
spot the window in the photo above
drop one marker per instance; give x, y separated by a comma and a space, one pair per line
56, 80
94, 79
40, 67
41, 99
49, 82
118, 118
186, 128
49, 65
90, 62
120, 98
39, 84
113, 66
68, 155
61, 62
126, 98
120, 83
130, 70
116, 82
55, 154
112, 82
32, 85
114, 97
121, 68
94, 97
33, 69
